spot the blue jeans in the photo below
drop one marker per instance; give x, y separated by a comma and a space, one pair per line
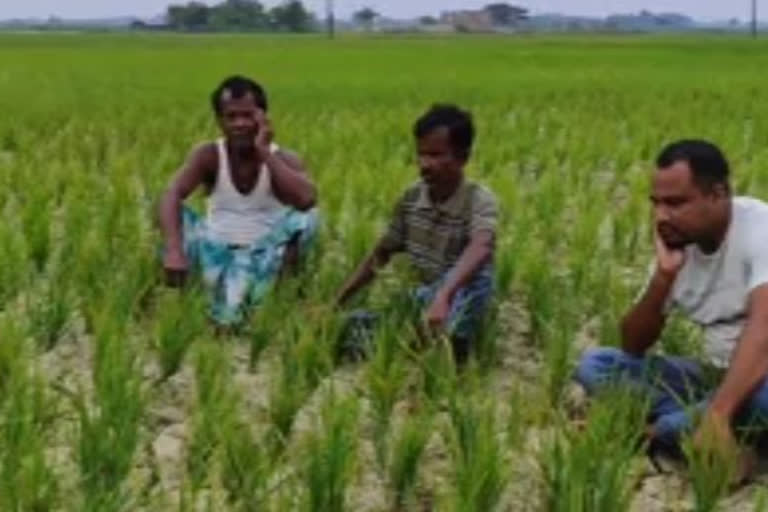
465, 319
468, 305
678, 389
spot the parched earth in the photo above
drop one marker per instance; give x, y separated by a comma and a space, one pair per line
157, 481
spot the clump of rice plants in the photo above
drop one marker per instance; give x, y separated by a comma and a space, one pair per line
407, 449
330, 457
179, 321
476, 438
589, 470
109, 426
27, 479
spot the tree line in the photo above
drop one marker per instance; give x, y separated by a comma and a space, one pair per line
240, 15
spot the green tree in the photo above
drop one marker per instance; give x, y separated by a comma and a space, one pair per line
365, 17
291, 16
238, 15
192, 16
505, 15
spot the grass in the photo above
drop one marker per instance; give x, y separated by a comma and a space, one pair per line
480, 476
384, 378
245, 468
27, 480
94, 126
331, 456
407, 450
591, 470
216, 407
711, 470
179, 321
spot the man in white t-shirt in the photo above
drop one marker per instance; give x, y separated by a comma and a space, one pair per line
712, 266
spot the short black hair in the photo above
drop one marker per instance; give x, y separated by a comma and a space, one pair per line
238, 86
461, 129
707, 162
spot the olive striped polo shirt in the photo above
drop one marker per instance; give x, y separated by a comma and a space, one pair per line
435, 234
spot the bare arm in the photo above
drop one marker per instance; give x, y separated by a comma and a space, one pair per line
365, 272
290, 179
642, 325
476, 254
199, 167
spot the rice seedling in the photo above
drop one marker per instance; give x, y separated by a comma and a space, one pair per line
331, 456
407, 449
179, 321
712, 470
245, 468
589, 470
384, 381
48, 312
109, 427
306, 358
35, 219
215, 410
27, 480
13, 263
480, 469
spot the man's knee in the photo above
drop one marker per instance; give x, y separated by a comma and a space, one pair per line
309, 225
596, 365
670, 427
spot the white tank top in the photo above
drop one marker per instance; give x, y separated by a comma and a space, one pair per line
237, 218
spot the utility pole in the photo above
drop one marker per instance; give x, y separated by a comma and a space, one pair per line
754, 18
330, 19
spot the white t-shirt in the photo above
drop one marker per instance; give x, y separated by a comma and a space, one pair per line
713, 289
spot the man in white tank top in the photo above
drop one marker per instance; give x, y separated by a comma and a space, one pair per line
260, 211
711, 265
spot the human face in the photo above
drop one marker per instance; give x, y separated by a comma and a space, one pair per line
238, 119
441, 168
685, 212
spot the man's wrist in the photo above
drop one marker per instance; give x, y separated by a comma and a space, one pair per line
265, 151
174, 248
665, 277
722, 407
662, 283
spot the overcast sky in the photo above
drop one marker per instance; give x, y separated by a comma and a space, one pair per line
700, 9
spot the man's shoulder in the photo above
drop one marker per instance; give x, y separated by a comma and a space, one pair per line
412, 193
481, 193
751, 221
206, 153
750, 210
750, 216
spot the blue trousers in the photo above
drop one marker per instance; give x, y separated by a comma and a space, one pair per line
463, 324
678, 390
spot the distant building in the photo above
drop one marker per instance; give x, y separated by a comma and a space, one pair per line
646, 21
468, 21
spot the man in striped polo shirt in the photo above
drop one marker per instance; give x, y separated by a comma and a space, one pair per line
447, 226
